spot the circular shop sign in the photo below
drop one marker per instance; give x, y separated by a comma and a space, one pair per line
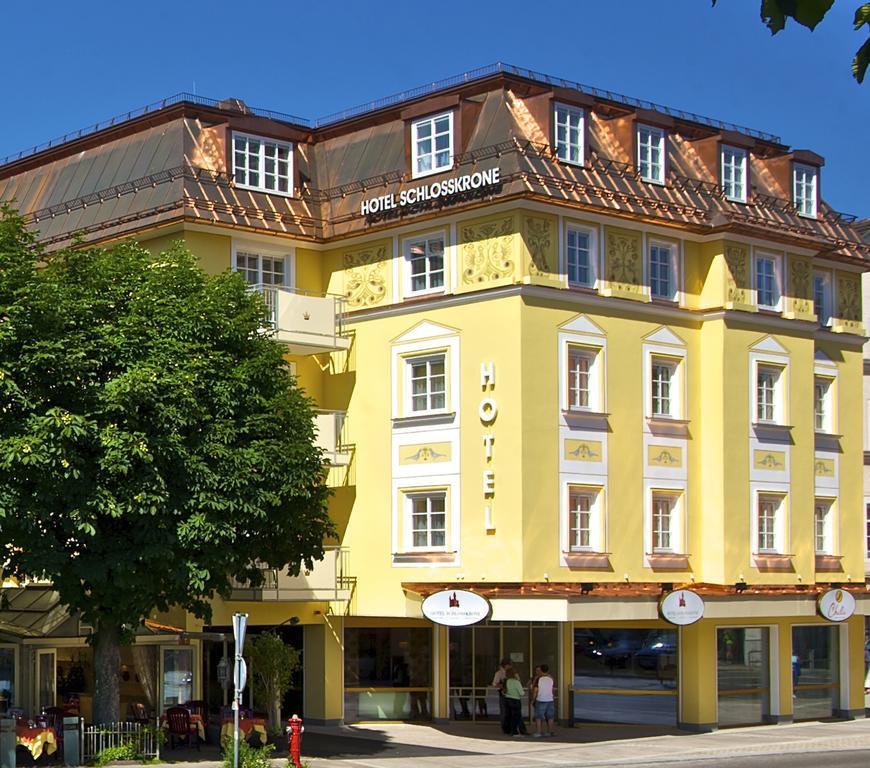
836, 605
455, 608
682, 607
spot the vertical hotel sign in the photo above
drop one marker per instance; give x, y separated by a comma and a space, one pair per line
487, 411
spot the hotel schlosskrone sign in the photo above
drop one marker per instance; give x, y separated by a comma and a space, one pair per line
445, 192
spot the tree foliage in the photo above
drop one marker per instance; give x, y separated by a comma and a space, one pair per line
273, 664
808, 13
152, 442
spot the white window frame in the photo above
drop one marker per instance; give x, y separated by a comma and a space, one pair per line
408, 374
424, 239
805, 186
734, 177
268, 290
776, 407
824, 387
17, 698
573, 385
261, 157
568, 120
650, 139
597, 528
676, 492
776, 533
410, 496
672, 499
776, 281
825, 536
591, 236
592, 350
823, 299
675, 385
417, 156
672, 262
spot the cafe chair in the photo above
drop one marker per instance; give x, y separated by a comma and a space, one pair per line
197, 707
136, 713
180, 728
54, 720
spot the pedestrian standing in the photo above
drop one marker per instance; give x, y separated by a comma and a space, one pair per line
498, 682
545, 703
513, 699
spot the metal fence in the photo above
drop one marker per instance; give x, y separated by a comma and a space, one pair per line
96, 738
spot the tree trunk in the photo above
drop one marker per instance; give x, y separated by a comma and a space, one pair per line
107, 673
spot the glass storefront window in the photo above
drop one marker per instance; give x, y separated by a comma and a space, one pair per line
7, 678
625, 675
387, 673
815, 671
475, 653
177, 676
743, 673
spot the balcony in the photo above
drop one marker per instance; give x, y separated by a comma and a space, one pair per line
329, 579
330, 438
307, 323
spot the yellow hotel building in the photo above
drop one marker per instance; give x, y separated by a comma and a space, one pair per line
572, 351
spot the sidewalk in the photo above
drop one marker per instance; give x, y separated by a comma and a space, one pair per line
405, 745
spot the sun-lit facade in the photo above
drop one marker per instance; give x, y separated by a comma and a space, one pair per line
570, 351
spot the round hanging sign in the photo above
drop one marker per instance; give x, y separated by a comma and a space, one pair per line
682, 607
836, 605
455, 608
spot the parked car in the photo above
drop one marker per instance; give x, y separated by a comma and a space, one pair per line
653, 649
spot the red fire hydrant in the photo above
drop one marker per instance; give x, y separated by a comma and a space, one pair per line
294, 732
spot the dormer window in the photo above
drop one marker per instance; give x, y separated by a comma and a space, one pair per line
733, 163
651, 154
569, 134
806, 186
432, 144
264, 165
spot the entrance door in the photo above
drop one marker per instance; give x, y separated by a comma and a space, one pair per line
815, 671
743, 669
46, 678
475, 653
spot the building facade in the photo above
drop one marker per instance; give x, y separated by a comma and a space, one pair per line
572, 351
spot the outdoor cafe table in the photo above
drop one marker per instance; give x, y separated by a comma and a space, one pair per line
248, 726
36, 739
195, 720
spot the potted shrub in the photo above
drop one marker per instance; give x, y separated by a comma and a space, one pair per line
273, 664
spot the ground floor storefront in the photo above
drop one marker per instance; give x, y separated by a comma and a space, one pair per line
746, 662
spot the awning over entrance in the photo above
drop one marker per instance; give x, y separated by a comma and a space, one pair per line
31, 611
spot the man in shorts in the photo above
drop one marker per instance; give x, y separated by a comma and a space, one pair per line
545, 708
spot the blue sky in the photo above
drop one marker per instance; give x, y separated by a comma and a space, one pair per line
69, 65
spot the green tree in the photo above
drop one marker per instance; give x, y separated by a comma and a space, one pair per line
152, 442
808, 13
273, 664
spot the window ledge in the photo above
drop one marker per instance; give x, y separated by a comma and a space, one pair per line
422, 419
828, 441
662, 425
424, 557
594, 561
830, 563
772, 561
667, 561
587, 419
777, 433
263, 190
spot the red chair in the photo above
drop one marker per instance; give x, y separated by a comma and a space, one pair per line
180, 727
197, 707
136, 713
54, 720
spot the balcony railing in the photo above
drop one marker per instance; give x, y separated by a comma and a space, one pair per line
307, 323
329, 579
331, 437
